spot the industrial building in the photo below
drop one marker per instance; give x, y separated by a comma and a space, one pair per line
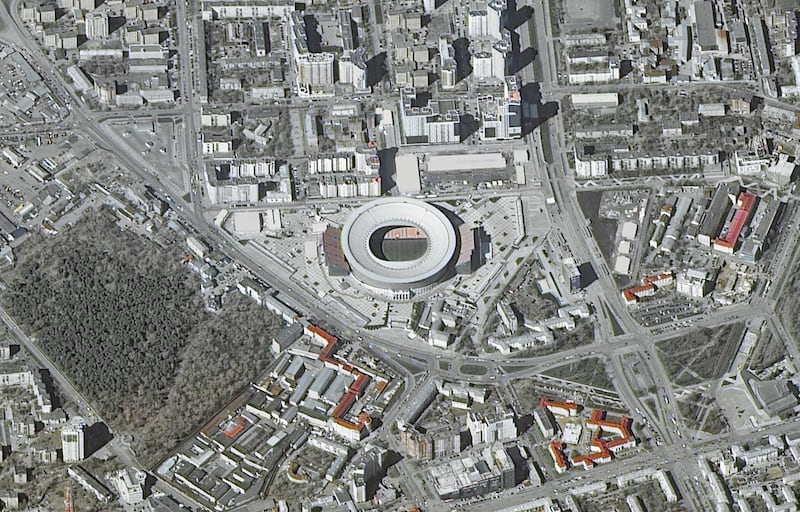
673, 230
286, 337
407, 174
466, 162
705, 30
320, 389
479, 473
622, 264
661, 222
595, 100
711, 109
715, 214
728, 243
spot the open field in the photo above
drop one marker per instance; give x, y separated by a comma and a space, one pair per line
591, 371
604, 230
598, 13
769, 350
700, 354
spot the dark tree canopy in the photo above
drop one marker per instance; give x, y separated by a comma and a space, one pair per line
124, 321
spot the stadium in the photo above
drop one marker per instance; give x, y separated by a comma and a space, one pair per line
398, 243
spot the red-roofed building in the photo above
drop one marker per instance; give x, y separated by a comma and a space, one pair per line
567, 408
350, 430
727, 243
344, 405
617, 445
632, 295
583, 460
659, 280
234, 427
358, 385
648, 287
597, 422
556, 449
601, 449
320, 335
600, 455
338, 421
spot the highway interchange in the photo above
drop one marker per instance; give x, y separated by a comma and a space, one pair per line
676, 451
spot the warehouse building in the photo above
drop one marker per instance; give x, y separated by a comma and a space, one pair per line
485, 471
595, 100
716, 212
744, 209
673, 231
764, 219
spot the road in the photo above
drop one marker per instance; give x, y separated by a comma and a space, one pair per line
564, 216
664, 457
65, 387
190, 111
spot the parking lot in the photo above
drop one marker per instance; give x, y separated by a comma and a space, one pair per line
159, 141
667, 310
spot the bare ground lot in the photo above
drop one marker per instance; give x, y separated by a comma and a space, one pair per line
591, 372
700, 354
595, 13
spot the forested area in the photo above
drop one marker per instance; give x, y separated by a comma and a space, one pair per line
124, 320
226, 352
